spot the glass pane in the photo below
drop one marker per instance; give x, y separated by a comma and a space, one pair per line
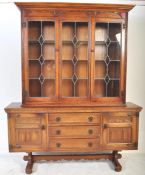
100, 69
114, 51
101, 31
48, 88
107, 59
67, 88
48, 69
114, 69
41, 54
100, 88
34, 88
48, 51
81, 88
34, 51
115, 31
82, 69
48, 30
34, 30
74, 59
82, 31
82, 52
67, 51
113, 88
34, 69
100, 51
68, 31
67, 71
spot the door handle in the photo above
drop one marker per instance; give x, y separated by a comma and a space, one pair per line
105, 126
42, 127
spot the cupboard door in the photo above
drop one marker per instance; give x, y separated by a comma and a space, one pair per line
120, 131
27, 132
107, 59
41, 59
74, 59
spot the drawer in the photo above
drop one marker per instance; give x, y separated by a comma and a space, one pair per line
75, 118
118, 117
74, 131
29, 121
28, 118
74, 145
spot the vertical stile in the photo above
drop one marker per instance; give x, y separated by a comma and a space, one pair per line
92, 51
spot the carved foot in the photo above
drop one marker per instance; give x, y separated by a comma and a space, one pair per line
29, 166
115, 161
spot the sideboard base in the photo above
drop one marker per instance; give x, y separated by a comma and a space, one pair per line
114, 156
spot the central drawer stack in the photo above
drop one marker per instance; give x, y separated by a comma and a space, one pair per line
77, 132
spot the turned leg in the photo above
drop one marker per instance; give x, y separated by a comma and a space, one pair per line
115, 157
29, 166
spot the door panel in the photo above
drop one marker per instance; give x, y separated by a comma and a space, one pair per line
41, 59
107, 59
120, 131
74, 59
27, 132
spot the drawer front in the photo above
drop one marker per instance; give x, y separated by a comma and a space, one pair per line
75, 131
29, 120
74, 145
87, 118
118, 117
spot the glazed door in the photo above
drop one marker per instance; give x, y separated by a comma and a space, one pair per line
108, 61
41, 59
75, 60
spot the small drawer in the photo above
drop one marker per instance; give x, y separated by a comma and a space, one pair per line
29, 121
28, 118
75, 118
75, 131
74, 145
117, 117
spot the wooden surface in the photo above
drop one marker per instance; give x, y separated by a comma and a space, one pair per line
74, 6
58, 52
88, 130
73, 83
17, 107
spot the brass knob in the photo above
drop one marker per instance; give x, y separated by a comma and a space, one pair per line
58, 132
90, 131
90, 119
105, 126
58, 119
42, 127
90, 144
58, 145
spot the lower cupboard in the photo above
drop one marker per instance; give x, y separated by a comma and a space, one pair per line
73, 133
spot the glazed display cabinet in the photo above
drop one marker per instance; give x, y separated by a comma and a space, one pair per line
73, 84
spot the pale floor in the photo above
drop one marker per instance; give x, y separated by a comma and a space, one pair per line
133, 164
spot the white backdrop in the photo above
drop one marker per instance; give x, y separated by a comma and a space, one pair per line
10, 65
